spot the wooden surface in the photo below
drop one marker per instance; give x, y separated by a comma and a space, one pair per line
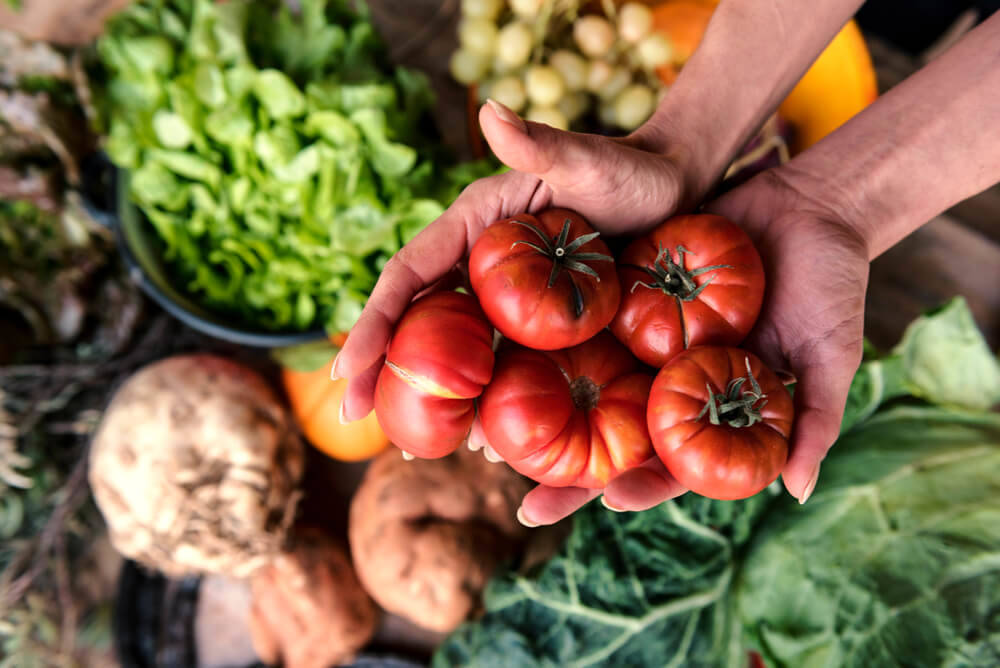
957, 253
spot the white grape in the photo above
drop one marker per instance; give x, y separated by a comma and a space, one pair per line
598, 74
594, 35
514, 44
620, 78
526, 9
633, 106
479, 35
606, 113
573, 105
509, 91
544, 85
654, 50
634, 21
482, 9
467, 66
572, 67
549, 116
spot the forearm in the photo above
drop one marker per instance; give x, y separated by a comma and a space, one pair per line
924, 146
752, 55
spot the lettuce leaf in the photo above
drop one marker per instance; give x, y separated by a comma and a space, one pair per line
278, 155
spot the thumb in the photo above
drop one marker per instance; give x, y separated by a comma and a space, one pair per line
555, 156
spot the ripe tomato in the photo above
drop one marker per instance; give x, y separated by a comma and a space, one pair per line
568, 417
694, 280
439, 359
720, 421
545, 281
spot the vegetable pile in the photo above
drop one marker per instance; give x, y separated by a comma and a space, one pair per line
893, 561
567, 404
279, 157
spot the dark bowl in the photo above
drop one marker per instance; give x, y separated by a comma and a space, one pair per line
107, 194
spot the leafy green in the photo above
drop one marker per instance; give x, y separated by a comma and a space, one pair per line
941, 358
277, 154
629, 589
895, 560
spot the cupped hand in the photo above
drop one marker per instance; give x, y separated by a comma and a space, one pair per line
614, 183
810, 329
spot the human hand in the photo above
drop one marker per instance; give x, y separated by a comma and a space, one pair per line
617, 185
810, 329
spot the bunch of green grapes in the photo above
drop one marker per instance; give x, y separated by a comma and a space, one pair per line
552, 64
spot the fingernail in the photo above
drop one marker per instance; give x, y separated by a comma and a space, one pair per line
607, 504
333, 368
506, 115
342, 416
786, 377
524, 520
407, 456
807, 492
491, 454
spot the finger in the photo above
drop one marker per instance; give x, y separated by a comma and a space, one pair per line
642, 488
427, 258
359, 397
555, 156
820, 397
548, 505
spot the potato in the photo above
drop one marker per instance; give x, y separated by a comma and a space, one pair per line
309, 610
427, 534
195, 467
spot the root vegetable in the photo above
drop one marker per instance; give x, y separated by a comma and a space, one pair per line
195, 467
309, 610
426, 535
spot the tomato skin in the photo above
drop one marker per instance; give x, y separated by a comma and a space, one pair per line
649, 321
438, 361
511, 282
530, 417
718, 461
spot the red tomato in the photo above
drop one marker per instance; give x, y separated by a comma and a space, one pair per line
439, 359
568, 417
545, 281
694, 280
720, 427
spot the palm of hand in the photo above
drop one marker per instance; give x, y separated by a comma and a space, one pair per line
811, 323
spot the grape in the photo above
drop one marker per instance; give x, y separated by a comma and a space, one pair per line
482, 9
634, 21
598, 74
573, 105
509, 91
654, 50
514, 44
616, 83
633, 106
479, 35
484, 89
526, 9
606, 113
544, 84
594, 35
467, 66
572, 67
549, 116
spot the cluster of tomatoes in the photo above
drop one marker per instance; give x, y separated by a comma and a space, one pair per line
603, 363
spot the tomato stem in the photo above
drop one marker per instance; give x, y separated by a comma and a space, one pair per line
674, 278
736, 407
